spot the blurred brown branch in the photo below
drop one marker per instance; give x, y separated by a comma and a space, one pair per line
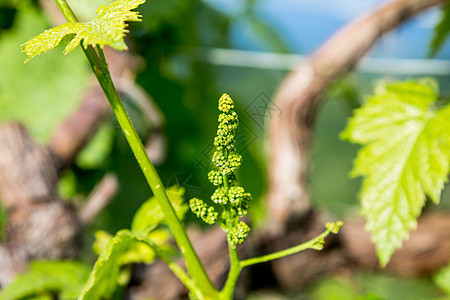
40, 224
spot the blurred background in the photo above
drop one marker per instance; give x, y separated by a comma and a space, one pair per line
190, 52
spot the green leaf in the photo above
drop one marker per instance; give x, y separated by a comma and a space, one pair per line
107, 28
123, 248
67, 185
66, 278
41, 105
137, 253
441, 31
442, 280
142, 253
405, 157
150, 215
126, 247
336, 289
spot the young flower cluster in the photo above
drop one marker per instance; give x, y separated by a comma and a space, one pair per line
201, 209
231, 198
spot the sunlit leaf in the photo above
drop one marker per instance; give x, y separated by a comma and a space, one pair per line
405, 158
102, 239
149, 215
123, 248
65, 278
441, 31
442, 279
107, 28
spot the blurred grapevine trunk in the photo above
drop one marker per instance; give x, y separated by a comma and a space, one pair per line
40, 224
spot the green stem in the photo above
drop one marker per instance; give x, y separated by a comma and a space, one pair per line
314, 243
66, 11
103, 76
233, 274
237, 265
192, 261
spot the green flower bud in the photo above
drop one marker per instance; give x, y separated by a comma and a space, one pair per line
226, 164
238, 234
201, 209
219, 159
220, 196
215, 177
318, 244
235, 194
211, 216
243, 205
232, 163
334, 227
229, 118
224, 142
225, 103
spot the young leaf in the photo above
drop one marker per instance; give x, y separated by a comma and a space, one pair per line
127, 247
139, 252
442, 279
150, 215
123, 248
107, 28
102, 239
441, 31
63, 277
405, 157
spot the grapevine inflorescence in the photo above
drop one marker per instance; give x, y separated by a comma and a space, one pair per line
232, 198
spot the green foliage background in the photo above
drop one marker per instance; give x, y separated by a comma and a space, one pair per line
186, 89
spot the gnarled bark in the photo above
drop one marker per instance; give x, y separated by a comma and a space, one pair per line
40, 224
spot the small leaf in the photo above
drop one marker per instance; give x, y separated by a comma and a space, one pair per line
405, 157
150, 215
123, 248
67, 185
107, 28
102, 239
66, 278
441, 31
442, 280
